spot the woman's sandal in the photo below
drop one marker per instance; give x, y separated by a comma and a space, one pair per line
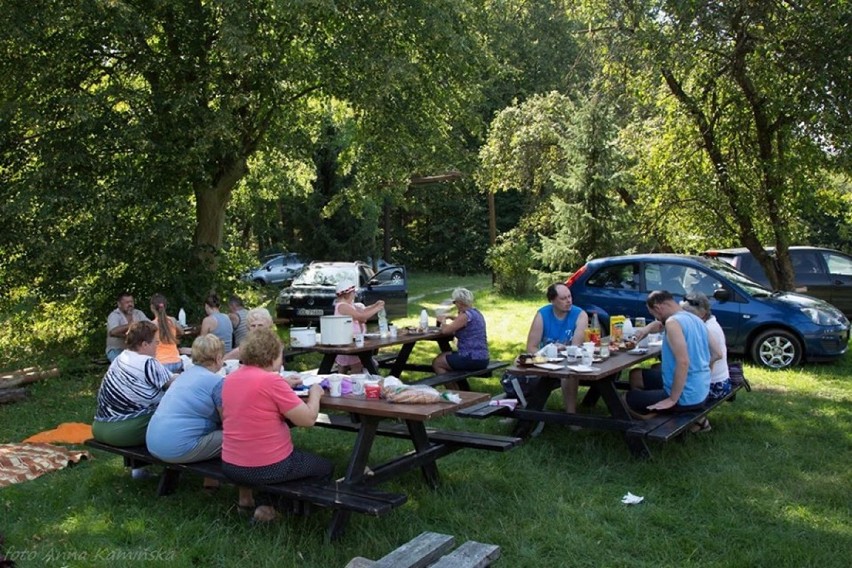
701, 426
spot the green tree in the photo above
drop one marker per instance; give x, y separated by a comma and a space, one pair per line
562, 155
127, 126
745, 104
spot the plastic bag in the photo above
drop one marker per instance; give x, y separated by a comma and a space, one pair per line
394, 390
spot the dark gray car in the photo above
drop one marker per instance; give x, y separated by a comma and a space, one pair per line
312, 293
820, 272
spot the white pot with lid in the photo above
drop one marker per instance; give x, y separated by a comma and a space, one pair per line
336, 330
303, 337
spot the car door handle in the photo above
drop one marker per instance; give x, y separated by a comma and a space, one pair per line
746, 316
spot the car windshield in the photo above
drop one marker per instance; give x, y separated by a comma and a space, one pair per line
324, 275
748, 285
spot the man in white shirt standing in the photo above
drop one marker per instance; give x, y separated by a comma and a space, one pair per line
119, 321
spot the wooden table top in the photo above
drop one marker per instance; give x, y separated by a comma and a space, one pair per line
371, 343
616, 362
383, 408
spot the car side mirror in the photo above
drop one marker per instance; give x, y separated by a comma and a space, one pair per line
374, 282
722, 294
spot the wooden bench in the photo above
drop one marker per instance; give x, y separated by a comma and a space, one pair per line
433, 550
665, 427
460, 377
359, 499
484, 409
386, 359
457, 440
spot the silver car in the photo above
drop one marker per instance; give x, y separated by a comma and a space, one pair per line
280, 269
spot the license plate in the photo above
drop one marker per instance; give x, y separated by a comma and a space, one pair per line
307, 312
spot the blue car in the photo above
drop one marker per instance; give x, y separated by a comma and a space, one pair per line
776, 329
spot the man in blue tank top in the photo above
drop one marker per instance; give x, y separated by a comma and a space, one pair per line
559, 322
684, 381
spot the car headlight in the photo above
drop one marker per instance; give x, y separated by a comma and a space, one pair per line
822, 317
284, 300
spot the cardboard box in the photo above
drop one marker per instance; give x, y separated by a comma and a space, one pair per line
615, 328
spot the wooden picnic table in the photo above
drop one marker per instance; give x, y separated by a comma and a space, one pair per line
364, 418
372, 343
602, 380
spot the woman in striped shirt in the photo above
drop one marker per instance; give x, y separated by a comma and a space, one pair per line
131, 389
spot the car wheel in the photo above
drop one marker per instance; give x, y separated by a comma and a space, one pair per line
396, 276
776, 349
259, 282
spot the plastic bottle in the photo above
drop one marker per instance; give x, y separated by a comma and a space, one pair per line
182, 318
596, 329
627, 329
383, 323
424, 319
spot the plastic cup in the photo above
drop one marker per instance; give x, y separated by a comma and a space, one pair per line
358, 385
359, 340
372, 390
589, 347
392, 331
335, 385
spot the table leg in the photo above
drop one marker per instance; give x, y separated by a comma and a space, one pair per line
618, 409
326, 364
355, 470
401, 359
535, 401
421, 442
368, 362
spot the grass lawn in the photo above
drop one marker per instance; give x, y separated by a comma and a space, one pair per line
768, 486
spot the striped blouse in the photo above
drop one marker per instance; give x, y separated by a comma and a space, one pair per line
132, 387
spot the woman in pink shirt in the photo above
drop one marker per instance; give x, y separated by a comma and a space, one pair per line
256, 443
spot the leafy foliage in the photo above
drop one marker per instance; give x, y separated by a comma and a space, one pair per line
745, 114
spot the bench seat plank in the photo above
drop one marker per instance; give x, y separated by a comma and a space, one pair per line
419, 552
359, 499
665, 427
460, 377
469, 555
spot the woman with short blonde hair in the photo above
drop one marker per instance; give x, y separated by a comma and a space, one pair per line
471, 338
187, 424
258, 318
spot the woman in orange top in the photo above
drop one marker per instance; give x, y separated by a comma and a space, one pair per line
168, 334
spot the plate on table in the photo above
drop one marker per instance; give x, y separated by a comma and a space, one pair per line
638, 351
582, 368
312, 380
372, 335
655, 343
549, 366
555, 359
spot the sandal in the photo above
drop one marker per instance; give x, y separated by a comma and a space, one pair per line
702, 425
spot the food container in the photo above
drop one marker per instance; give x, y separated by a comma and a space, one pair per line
372, 390
336, 330
302, 337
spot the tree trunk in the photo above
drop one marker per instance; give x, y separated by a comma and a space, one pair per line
210, 204
492, 228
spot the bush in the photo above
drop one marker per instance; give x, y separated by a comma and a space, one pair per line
512, 261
